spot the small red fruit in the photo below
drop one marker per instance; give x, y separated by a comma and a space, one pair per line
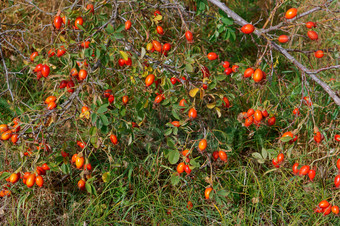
335, 210
82, 74
312, 35
248, 72
57, 22
90, 7
127, 25
223, 156
311, 174
248, 29
160, 30
295, 168
319, 54
212, 56
79, 21
149, 80
310, 24
304, 170
114, 139
180, 167
45, 70
189, 36
81, 184
226, 64
337, 181
283, 38
228, 71
192, 113
215, 155
202, 145
207, 192
291, 13
33, 55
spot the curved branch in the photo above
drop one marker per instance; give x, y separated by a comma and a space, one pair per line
312, 74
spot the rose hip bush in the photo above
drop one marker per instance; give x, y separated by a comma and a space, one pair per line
157, 111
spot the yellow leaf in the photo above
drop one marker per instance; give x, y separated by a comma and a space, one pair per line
124, 55
201, 93
162, 81
132, 79
193, 92
85, 114
146, 104
218, 112
158, 18
105, 176
62, 38
211, 106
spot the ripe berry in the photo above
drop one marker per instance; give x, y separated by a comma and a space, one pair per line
304, 170
283, 38
166, 47
291, 13
45, 70
228, 71
312, 35
182, 103
30, 180
125, 100
80, 162
51, 53
296, 111
79, 21
207, 192
319, 54
50, 99
212, 56
248, 72
33, 55
81, 184
51, 106
14, 178
275, 163
114, 139
295, 168
176, 123
173, 80
187, 169
205, 71
335, 210
189, 36
226, 64
280, 158
57, 22
215, 155
39, 181
223, 156
61, 51
127, 25
248, 28
180, 167
90, 7
160, 30
149, 80
235, 68
157, 45
202, 145
311, 174
323, 204
337, 181
82, 74
226, 102
192, 113
258, 75
310, 24
258, 115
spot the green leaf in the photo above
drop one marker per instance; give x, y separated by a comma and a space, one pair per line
104, 120
227, 21
109, 29
94, 117
118, 35
65, 168
170, 142
173, 156
189, 68
175, 114
102, 108
90, 188
174, 179
168, 132
286, 139
222, 193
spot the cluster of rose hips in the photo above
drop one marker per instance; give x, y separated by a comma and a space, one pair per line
182, 166
290, 14
29, 179
50, 101
278, 161
220, 154
252, 116
258, 75
290, 134
79, 161
109, 96
303, 171
10, 132
326, 208
42, 71
123, 62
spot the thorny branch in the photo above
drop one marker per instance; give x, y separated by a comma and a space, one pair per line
312, 74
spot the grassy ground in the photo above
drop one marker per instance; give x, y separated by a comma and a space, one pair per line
137, 188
